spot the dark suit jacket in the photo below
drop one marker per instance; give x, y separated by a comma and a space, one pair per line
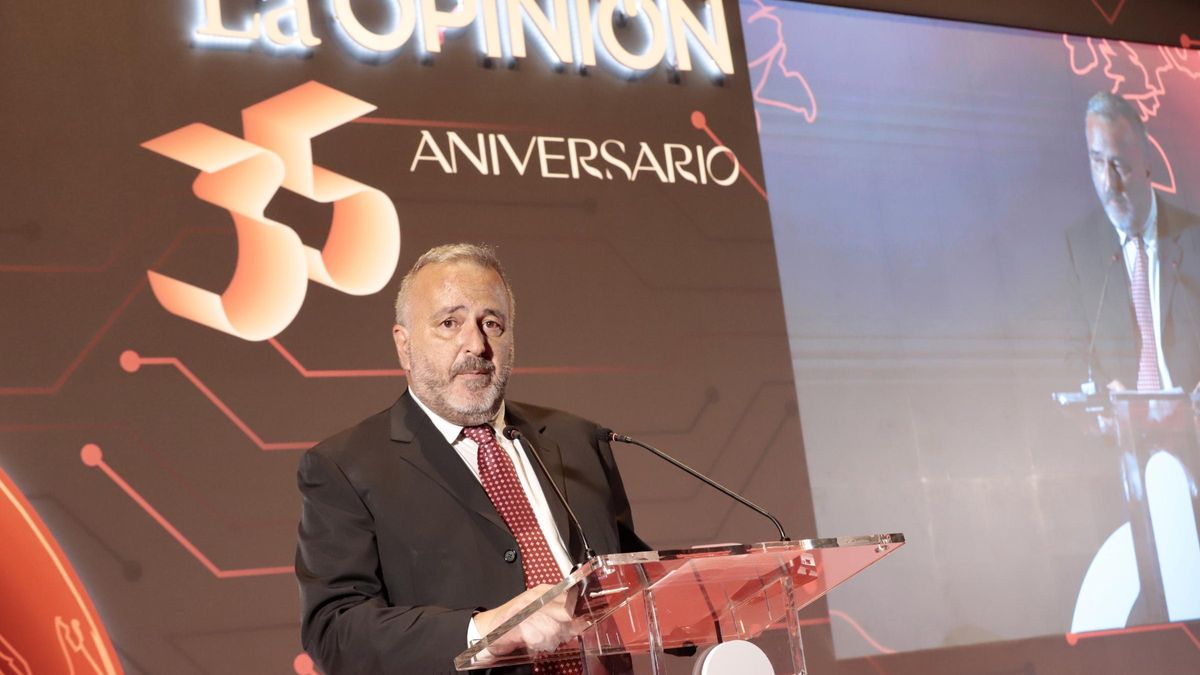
399, 544
1095, 253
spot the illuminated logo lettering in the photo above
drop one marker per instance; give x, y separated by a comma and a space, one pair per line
273, 266
581, 33
576, 158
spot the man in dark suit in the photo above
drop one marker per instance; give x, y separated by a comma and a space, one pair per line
1137, 266
407, 547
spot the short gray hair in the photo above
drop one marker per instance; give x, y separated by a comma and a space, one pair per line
1115, 108
478, 254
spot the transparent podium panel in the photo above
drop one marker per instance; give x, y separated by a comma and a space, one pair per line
1152, 436
1156, 439
663, 611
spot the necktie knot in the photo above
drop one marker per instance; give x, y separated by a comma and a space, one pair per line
480, 433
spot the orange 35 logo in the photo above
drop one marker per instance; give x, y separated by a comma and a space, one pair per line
273, 265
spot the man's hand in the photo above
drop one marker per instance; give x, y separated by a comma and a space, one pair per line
544, 631
1117, 386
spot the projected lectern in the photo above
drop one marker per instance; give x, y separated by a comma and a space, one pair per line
1146, 571
715, 610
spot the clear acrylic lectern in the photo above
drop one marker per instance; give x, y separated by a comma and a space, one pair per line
657, 612
1157, 446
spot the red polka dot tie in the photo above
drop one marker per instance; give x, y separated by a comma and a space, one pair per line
499, 479
1148, 378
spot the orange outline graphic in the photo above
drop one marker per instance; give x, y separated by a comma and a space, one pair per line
90, 640
10, 657
773, 60
1146, 92
72, 643
131, 362
91, 455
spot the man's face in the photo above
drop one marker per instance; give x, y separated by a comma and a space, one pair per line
458, 345
1120, 172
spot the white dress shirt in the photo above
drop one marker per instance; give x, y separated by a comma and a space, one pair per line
1129, 248
468, 450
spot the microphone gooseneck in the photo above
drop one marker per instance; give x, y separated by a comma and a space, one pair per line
513, 434
610, 435
1095, 327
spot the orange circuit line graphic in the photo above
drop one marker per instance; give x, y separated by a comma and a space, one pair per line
313, 373
56, 386
1074, 638
701, 122
166, 470
1110, 16
93, 456
310, 373
303, 665
73, 269
444, 124
131, 362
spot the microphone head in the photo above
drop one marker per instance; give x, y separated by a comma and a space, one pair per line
511, 433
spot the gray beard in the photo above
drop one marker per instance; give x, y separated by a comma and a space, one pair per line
430, 386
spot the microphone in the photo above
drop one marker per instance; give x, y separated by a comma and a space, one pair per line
610, 435
513, 434
1090, 387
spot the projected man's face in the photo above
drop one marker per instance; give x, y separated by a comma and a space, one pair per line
458, 344
1120, 172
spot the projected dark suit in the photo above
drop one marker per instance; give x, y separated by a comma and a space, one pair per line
399, 544
1095, 254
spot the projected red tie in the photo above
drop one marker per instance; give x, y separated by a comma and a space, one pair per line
499, 479
1148, 378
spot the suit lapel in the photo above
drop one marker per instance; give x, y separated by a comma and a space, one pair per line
551, 456
420, 444
1170, 258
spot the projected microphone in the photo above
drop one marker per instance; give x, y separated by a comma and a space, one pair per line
513, 434
1089, 387
610, 435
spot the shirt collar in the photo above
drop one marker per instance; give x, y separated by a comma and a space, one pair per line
451, 431
1150, 231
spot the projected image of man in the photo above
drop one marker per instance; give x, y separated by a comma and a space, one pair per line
1136, 264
